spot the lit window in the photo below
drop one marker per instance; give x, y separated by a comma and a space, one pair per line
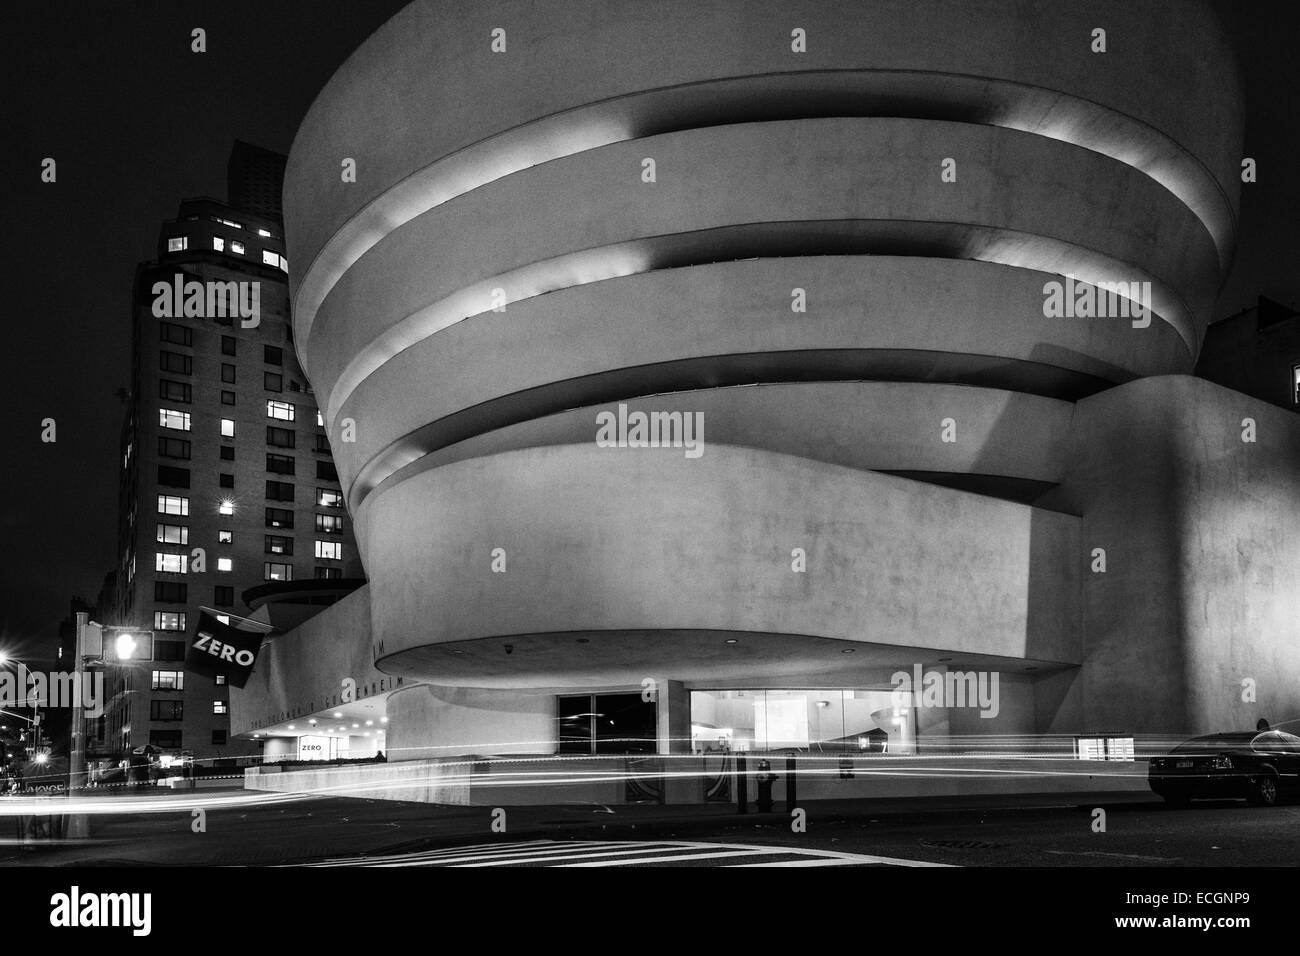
329, 524
171, 563
169, 620
320, 419
330, 549
282, 411
171, 418
270, 258
278, 572
237, 247
227, 428
225, 537
177, 243
227, 222
284, 264
330, 499
220, 707
173, 534
221, 679
226, 508
225, 564
173, 505
1295, 384
168, 680
218, 244
264, 234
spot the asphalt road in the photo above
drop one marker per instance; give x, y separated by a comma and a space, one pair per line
1027, 831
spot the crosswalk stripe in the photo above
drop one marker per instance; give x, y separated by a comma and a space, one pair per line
592, 853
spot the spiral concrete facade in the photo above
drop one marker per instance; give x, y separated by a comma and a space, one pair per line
501, 271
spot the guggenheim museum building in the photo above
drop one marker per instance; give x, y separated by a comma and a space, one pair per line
710, 376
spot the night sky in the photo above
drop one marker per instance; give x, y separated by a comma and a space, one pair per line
137, 122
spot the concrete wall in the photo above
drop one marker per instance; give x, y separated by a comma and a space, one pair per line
658, 558
302, 672
1202, 539
427, 721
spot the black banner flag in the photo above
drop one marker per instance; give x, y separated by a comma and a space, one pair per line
219, 648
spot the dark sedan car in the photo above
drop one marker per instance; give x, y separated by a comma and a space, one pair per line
1258, 766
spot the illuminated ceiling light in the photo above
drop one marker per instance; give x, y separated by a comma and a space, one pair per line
370, 723
356, 725
383, 720
291, 727
731, 640
848, 650
338, 714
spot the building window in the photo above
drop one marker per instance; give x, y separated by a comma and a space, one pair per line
282, 411
1295, 384
279, 491
166, 710
172, 505
278, 572
227, 428
237, 247
225, 537
218, 244
173, 448
173, 534
329, 573
170, 650
272, 355
273, 381
264, 234
218, 738
323, 445
277, 544
280, 464
226, 508
220, 707
331, 550
173, 418
221, 680
170, 592
225, 564
168, 680
176, 362
227, 452
171, 563
228, 373
280, 437
223, 596
329, 524
168, 621
326, 471
175, 334
170, 391
320, 418
328, 498
165, 739
173, 477
226, 481
279, 518
177, 243
227, 345
270, 258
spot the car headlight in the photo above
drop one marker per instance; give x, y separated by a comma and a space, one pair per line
1221, 763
